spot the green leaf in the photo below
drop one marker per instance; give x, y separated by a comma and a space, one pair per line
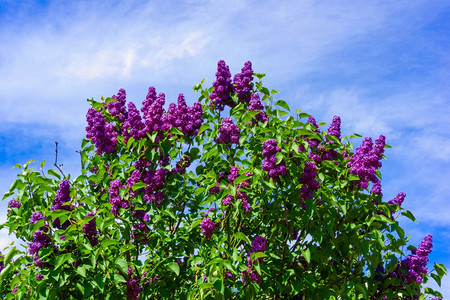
108, 242
203, 128
119, 278
283, 104
279, 157
138, 185
11, 253
174, 267
5, 272
62, 259
82, 270
409, 215
54, 173
218, 285
123, 265
306, 254
440, 269
241, 236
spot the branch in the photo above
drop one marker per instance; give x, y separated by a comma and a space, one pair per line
56, 160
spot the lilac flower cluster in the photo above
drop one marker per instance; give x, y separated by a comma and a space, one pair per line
376, 188
117, 108
134, 288
181, 166
133, 125
413, 266
366, 160
102, 133
215, 189
398, 200
207, 227
222, 87
62, 196
256, 104
335, 127
35, 217
90, 229
153, 116
114, 197
228, 132
187, 119
270, 149
13, 204
234, 173
242, 82
155, 181
2, 264
40, 240
308, 181
259, 244
134, 178
149, 99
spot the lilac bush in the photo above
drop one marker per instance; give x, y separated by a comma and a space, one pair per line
231, 196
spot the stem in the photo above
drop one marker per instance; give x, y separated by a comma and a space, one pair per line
56, 160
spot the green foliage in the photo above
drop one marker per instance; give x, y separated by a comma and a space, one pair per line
327, 246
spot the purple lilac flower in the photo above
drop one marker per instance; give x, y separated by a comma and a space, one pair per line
376, 188
100, 132
117, 108
90, 229
181, 166
114, 197
228, 132
153, 116
222, 87
207, 227
35, 217
256, 104
154, 180
157, 197
148, 101
366, 160
14, 203
215, 189
398, 200
250, 275
39, 276
40, 240
2, 264
308, 180
259, 244
270, 149
134, 288
415, 265
62, 196
227, 200
134, 178
242, 82
335, 127
133, 125
234, 173
187, 119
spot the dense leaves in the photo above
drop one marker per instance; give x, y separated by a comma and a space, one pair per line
234, 197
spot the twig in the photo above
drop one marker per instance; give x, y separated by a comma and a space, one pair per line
56, 160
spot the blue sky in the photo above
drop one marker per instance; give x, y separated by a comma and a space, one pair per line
383, 66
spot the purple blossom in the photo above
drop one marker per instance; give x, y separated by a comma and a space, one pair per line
308, 180
415, 265
35, 217
207, 227
259, 244
90, 229
114, 197
376, 188
366, 160
270, 149
256, 104
222, 87
398, 200
40, 240
181, 166
234, 173
117, 108
227, 200
228, 132
215, 189
62, 196
39, 276
335, 127
148, 101
153, 116
187, 119
134, 288
14, 203
133, 125
100, 132
242, 82
2, 263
